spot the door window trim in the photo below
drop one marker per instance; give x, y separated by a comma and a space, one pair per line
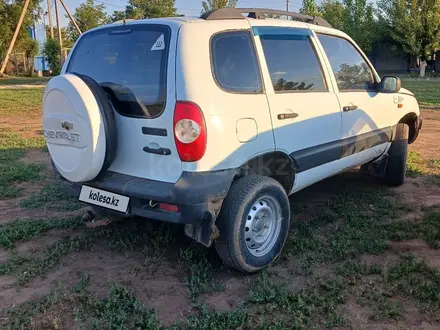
253, 48
262, 31
373, 71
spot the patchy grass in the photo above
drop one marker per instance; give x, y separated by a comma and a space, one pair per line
414, 164
53, 196
12, 148
13, 172
23, 230
200, 269
34, 267
120, 310
349, 225
306, 309
414, 278
23, 81
426, 91
12, 144
26, 102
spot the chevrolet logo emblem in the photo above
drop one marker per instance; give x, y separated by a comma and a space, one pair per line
67, 125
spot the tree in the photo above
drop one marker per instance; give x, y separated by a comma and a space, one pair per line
309, 8
88, 16
360, 23
9, 14
153, 8
354, 17
414, 25
209, 5
333, 12
51, 50
130, 12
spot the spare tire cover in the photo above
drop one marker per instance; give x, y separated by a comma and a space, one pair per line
79, 127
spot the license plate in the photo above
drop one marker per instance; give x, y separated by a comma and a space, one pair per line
104, 198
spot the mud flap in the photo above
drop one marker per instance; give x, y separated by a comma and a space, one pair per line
204, 232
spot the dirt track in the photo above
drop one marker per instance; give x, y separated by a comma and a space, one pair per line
158, 271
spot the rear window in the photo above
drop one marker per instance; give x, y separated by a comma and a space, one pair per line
234, 62
130, 63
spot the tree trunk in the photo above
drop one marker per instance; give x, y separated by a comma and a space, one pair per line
423, 65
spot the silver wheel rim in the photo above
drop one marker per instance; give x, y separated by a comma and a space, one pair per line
263, 224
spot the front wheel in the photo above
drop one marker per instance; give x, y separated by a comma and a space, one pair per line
253, 223
397, 154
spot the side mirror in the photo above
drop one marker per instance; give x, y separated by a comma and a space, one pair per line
390, 84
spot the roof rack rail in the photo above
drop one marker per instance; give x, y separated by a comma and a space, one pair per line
259, 13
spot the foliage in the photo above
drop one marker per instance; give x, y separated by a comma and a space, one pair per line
51, 50
10, 12
309, 8
88, 16
151, 8
354, 17
360, 23
209, 5
333, 12
413, 24
130, 12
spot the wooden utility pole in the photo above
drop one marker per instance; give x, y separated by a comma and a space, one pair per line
287, 5
71, 17
49, 12
60, 39
14, 38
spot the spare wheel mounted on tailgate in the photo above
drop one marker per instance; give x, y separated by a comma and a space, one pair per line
79, 126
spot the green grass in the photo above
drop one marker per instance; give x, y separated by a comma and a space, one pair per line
12, 144
414, 278
414, 164
13, 147
24, 102
23, 81
349, 225
120, 310
23, 230
54, 197
298, 310
426, 91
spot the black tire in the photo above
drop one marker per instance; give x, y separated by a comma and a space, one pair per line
108, 119
397, 155
231, 245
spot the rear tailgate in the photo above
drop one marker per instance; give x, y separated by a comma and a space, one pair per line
135, 64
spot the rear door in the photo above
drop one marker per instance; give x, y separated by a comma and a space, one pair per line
304, 108
365, 112
135, 64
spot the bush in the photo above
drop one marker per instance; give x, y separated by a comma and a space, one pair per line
51, 50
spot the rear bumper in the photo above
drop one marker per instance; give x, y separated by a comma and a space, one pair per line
196, 194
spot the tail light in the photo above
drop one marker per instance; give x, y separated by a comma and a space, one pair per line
189, 131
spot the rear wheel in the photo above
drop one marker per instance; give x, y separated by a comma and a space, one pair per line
253, 223
397, 154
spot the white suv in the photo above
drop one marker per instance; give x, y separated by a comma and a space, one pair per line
212, 122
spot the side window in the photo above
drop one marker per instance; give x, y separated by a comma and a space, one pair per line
234, 62
292, 63
350, 69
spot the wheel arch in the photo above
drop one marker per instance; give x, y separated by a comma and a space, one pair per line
275, 164
411, 120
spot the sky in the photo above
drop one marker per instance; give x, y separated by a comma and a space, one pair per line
185, 7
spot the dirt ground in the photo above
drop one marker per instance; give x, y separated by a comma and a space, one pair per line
167, 273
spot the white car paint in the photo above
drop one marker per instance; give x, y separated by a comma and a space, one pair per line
229, 115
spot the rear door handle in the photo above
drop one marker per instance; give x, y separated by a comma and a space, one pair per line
350, 107
158, 151
288, 115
